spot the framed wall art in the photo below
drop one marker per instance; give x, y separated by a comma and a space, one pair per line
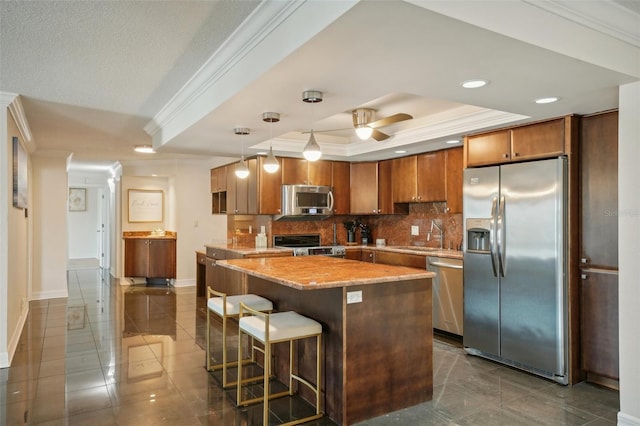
146, 205
77, 199
20, 182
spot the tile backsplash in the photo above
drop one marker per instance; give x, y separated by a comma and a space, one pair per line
395, 229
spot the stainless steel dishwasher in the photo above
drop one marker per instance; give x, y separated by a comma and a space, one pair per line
447, 294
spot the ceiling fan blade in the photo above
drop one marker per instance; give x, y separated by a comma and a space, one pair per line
378, 135
390, 120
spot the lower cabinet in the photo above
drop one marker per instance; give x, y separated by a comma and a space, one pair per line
150, 257
599, 323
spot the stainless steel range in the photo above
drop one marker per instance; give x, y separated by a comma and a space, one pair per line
308, 245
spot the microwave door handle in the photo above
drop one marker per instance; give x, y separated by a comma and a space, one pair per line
492, 236
330, 201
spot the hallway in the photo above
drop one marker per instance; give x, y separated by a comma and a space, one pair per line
133, 355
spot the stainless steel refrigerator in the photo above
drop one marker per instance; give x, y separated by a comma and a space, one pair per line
515, 266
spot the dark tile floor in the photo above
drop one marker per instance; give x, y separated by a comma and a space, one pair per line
131, 355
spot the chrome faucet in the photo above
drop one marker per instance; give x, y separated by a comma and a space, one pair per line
434, 224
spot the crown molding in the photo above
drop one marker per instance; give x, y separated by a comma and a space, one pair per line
14, 104
244, 56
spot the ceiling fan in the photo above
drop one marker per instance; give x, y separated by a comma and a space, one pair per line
366, 127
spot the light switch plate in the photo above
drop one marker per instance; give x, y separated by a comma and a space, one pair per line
415, 230
354, 296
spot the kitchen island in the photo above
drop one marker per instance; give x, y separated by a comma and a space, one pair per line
377, 328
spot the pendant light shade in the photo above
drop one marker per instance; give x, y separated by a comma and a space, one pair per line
364, 132
312, 149
271, 164
242, 170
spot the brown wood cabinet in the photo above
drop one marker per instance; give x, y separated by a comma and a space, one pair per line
219, 179
533, 141
419, 178
238, 190
340, 172
454, 172
269, 189
150, 257
385, 190
297, 171
599, 246
401, 259
364, 188
368, 255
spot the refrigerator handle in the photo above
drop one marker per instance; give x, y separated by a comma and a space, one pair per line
502, 243
492, 236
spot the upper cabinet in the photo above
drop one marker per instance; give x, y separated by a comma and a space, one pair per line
454, 180
340, 172
297, 171
364, 188
219, 179
419, 178
269, 189
539, 140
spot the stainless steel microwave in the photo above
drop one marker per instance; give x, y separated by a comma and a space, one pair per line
306, 202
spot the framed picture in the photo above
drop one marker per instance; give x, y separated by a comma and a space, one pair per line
146, 205
20, 183
77, 199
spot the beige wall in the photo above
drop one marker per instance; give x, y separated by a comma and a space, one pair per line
49, 227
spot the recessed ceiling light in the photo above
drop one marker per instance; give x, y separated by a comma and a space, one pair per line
144, 149
548, 100
474, 84
400, 151
452, 141
261, 153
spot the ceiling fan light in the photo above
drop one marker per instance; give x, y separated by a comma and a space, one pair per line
312, 150
271, 164
364, 132
242, 170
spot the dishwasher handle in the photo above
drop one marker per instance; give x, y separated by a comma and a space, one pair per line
444, 264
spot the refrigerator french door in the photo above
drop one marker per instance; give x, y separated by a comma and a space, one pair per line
515, 290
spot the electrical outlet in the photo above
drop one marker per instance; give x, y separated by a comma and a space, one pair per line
415, 230
354, 296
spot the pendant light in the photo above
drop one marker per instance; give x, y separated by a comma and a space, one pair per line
271, 164
242, 170
312, 150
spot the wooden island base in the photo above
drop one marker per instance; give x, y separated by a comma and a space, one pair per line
378, 353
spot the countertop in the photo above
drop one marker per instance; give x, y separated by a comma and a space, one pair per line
168, 235
319, 272
248, 251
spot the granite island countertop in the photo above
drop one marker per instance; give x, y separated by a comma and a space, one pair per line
320, 272
251, 251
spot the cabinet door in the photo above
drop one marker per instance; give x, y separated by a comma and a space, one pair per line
162, 258
454, 180
599, 190
136, 257
294, 171
401, 259
231, 189
270, 189
353, 254
488, 148
219, 179
404, 179
368, 256
430, 176
385, 187
539, 140
599, 323
319, 172
364, 188
340, 181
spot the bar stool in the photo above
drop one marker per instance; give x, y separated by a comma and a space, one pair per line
270, 329
229, 307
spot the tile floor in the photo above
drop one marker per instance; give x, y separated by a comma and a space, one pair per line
133, 355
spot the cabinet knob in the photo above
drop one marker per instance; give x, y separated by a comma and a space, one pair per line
505, 155
584, 260
515, 154
419, 198
584, 276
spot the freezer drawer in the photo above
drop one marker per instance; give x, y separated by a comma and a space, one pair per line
447, 294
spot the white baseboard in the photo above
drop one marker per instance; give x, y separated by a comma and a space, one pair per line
55, 294
15, 338
4, 359
190, 282
627, 420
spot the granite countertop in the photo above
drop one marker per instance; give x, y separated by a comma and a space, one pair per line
249, 250
167, 235
319, 272
426, 251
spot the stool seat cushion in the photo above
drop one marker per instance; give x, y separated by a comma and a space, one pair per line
233, 304
282, 326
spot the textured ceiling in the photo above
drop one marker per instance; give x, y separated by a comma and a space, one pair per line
93, 75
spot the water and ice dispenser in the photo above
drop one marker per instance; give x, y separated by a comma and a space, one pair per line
478, 236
